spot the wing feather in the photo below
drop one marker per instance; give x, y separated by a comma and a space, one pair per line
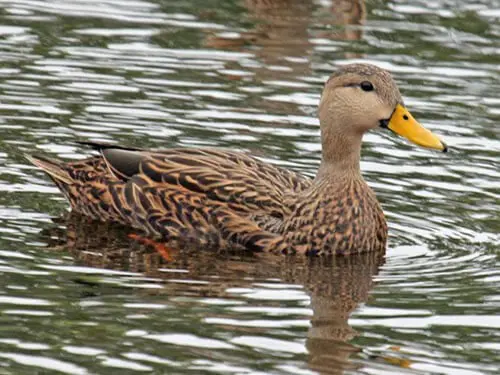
209, 196
222, 176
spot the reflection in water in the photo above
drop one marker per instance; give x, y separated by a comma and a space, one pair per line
286, 23
335, 285
282, 34
348, 13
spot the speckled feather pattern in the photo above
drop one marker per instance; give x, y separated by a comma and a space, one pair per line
222, 199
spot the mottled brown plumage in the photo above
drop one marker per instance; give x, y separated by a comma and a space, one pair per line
220, 199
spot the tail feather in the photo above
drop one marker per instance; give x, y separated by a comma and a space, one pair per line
54, 168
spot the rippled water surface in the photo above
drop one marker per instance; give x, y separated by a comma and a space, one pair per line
77, 298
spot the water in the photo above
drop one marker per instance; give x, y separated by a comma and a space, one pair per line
77, 298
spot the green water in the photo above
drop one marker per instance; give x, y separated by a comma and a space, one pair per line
79, 297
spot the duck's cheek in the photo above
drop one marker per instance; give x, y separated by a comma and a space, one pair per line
369, 109
383, 114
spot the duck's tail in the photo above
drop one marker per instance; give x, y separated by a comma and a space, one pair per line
54, 168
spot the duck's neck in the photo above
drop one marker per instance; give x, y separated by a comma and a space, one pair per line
340, 155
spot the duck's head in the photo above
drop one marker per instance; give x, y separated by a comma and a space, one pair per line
360, 97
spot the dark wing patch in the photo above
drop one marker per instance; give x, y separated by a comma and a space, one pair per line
100, 146
123, 163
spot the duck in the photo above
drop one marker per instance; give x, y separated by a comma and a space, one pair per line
225, 199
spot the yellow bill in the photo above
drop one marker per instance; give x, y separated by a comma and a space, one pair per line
403, 123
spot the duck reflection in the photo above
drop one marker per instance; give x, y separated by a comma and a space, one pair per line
284, 35
283, 29
285, 21
336, 286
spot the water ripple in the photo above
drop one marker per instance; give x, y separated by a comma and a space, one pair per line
248, 76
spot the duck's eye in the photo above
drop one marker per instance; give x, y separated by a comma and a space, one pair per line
366, 86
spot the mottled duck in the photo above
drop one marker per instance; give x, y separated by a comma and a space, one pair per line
224, 199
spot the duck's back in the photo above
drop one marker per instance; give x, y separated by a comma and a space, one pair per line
180, 192
244, 182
